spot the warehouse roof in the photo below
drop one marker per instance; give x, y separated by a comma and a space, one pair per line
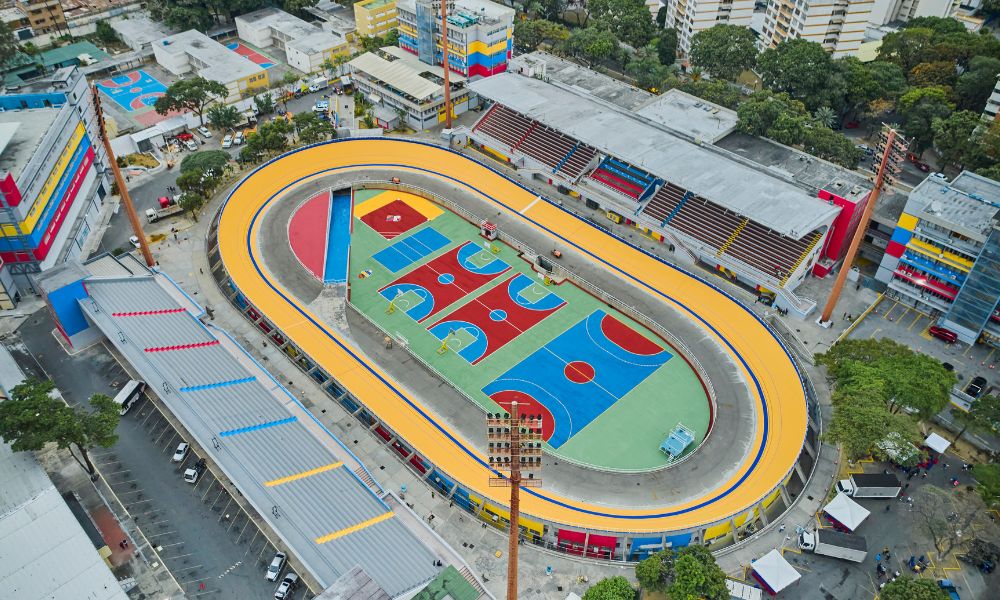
969, 204
403, 71
771, 201
267, 443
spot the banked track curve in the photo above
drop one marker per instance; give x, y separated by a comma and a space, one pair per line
765, 364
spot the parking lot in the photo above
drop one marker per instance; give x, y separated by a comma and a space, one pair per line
199, 532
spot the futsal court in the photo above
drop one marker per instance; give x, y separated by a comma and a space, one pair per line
133, 91
500, 331
252, 55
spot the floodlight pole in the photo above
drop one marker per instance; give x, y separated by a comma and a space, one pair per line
888, 162
444, 64
133, 217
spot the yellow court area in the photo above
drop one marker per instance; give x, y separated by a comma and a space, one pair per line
764, 364
423, 206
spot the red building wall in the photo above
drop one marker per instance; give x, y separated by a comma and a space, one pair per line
841, 231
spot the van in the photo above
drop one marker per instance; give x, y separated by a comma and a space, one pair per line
943, 334
132, 390
320, 83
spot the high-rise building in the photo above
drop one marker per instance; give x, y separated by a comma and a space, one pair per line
480, 34
944, 255
887, 11
54, 177
993, 104
689, 17
375, 17
839, 26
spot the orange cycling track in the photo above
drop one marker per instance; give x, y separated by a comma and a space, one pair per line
774, 383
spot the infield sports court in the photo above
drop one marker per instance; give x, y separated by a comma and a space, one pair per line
609, 390
133, 91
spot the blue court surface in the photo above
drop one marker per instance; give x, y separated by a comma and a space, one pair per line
409, 250
133, 91
581, 373
339, 238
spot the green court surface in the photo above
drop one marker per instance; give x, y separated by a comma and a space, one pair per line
626, 436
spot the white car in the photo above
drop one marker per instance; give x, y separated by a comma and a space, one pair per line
277, 564
191, 145
238, 140
227, 142
134, 241
286, 587
181, 453
204, 132
191, 475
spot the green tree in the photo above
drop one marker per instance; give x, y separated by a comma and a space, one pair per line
193, 94
208, 161
656, 572
955, 138
298, 7
593, 44
106, 34
919, 107
716, 91
832, 146
190, 203
391, 38
610, 588
941, 72
975, 85
825, 116
291, 77
724, 50
889, 77
264, 103
907, 48
759, 114
861, 422
936, 24
666, 46
647, 70
548, 9
8, 45
183, 14
661, 17
628, 20
697, 576
801, 69
198, 182
988, 483
982, 417
223, 117
32, 418
908, 588
371, 43
311, 128
528, 34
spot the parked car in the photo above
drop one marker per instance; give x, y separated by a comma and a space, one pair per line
227, 142
949, 588
286, 587
185, 136
852, 125
939, 176
134, 241
321, 105
191, 145
277, 564
204, 132
922, 166
943, 334
239, 138
976, 387
181, 452
948, 366
191, 475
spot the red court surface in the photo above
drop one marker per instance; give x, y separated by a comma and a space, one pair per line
113, 535
307, 233
495, 318
393, 219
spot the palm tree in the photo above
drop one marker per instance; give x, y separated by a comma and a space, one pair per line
695, 74
825, 116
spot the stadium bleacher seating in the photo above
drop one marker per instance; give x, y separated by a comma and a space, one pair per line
622, 177
505, 125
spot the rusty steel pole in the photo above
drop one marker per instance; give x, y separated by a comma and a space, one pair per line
515, 503
444, 64
122, 190
859, 235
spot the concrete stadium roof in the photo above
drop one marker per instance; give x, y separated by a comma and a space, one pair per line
769, 200
969, 204
298, 477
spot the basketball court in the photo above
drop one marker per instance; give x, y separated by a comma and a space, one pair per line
133, 91
252, 55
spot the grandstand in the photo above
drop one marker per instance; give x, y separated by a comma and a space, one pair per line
646, 162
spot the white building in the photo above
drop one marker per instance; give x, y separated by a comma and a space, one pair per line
993, 104
306, 46
194, 52
54, 178
139, 32
689, 17
887, 11
839, 26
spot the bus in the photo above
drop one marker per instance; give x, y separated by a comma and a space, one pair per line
129, 394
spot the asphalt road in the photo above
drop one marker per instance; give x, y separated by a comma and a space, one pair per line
200, 533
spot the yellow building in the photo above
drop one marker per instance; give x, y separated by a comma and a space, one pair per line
375, 17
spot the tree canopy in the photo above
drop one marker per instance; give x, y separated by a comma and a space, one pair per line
193, 94
8, 46
610, 588
690, 573
593, 44
724, 50
628, 20
908, 588
529, 34
33, 417
983, 416
988, 483
798, 67
214, 161
919, 108
955, 138
223, 116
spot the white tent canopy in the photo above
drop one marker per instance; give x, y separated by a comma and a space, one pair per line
937, 443
741, 591
847, 512
775, 571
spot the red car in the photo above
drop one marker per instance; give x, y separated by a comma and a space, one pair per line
922, 166
852, 125
184, 136
943, 334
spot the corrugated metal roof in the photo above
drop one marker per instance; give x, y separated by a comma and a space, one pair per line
332, 501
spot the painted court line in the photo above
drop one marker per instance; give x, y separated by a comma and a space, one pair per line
354, 528
304, 474
257, 427
532, 203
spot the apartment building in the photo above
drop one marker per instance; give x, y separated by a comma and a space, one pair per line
944, 255
18, 23
54, 177
689, 17
45, 16
480, 34
194, 52
375, 18
306, 46
993, 104
839, 25
887, 11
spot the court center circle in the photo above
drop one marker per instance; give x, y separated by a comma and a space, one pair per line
446, 278
498, 314
579, 371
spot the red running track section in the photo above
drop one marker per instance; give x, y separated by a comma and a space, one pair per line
307, 233
393, 219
